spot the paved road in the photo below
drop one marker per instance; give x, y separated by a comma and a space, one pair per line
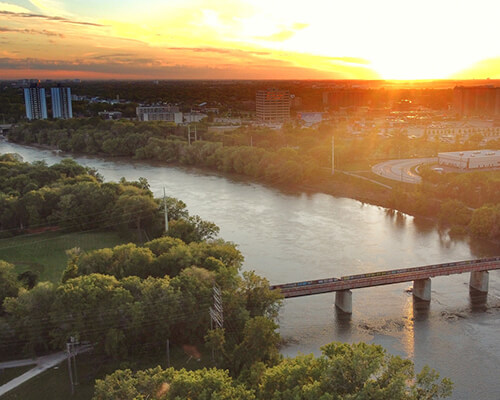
400, 170
42, 364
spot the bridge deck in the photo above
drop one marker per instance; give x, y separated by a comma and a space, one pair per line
307, 288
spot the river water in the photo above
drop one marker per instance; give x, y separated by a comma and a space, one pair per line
289, 237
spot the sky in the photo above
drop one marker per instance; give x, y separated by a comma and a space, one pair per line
250, 39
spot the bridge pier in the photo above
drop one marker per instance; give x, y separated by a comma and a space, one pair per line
343, 301
479, 280
422, 289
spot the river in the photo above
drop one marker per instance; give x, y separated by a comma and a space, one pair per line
289, 237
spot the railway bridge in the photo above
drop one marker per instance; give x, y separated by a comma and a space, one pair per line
421, 277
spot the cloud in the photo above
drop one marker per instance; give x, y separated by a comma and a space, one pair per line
278, 36
148, 68
285, 33
488, 68
31, 32
12, 8
298, 26
48, 18
351, 60
221, 51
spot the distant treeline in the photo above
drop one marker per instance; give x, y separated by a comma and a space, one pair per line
168, 143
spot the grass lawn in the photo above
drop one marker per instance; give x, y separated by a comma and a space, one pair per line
45, 253
8, 374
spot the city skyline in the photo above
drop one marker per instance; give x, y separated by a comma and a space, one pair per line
243, 39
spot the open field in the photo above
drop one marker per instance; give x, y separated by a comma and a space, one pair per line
45, 253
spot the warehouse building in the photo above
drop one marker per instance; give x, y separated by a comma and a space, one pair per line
472, 159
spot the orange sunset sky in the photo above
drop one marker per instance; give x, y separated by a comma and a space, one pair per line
250, 39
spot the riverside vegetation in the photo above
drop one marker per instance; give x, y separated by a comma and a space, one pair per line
135, 296
294, 157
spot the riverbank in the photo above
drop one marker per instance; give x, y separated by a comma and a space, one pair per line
362, 187
338, 185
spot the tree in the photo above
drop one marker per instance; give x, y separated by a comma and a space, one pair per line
454, 212
9, 284
138, 209
91, 307
485, 221
29, 315
192, 229
259, 344
344, 371
156, 383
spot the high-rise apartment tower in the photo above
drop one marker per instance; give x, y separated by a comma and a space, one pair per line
34, 99
61, 102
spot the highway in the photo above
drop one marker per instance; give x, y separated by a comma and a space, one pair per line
401, 170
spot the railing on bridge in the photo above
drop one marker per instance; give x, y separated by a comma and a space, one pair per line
417, 274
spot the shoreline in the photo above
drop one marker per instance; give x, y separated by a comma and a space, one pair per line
326, 185
341, 185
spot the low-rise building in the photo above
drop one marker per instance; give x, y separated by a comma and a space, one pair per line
110, 114
159, 113
472, 159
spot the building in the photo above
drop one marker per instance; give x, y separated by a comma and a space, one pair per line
310, 118
193, 117
110, 114
273, 105
159, 113
36, 104
61, 102
476, 100
473, 159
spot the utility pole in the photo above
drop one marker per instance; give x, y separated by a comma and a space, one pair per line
68, 353
165, 210
195, 134
168, 353
71, 356
189, 135
333, 155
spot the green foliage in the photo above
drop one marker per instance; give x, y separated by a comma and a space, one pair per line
342, 372
155, 383
160, 257
454, 212
9, 284
28, 316
485, 222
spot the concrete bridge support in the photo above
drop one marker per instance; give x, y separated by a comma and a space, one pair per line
479, 280
343, 301
422, 289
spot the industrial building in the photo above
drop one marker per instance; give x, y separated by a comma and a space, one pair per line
34, 99
159, 113
61, 102
273, 105
473, 159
